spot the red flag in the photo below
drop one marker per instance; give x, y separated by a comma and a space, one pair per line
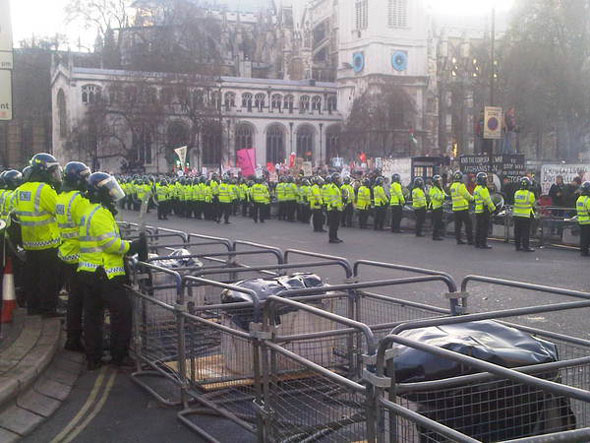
271, 167
363, 157
247, 161
292, 160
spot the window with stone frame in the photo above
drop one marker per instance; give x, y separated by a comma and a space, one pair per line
247, 101
304, 104
277, 101
275, 144
397, 13
230, 100
259, 100
332, 103
289, 103
62, 114
91, 94
316, 103
244, 136
361, 14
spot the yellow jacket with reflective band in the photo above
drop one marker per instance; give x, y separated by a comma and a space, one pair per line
225, 193
69, 210
260, 193
437, 197
326, 193
34, 205
161, 192
460, 196
315, 197
363, 198
6, 197
483, 200
396, 195
281, 192
290, 192
243, 191
305, 194
235, 193
583, 208
100, 242
335, 198
379, 196
418, 198
349, 197
523, 203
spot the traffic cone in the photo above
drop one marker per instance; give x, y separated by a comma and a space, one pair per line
8, 293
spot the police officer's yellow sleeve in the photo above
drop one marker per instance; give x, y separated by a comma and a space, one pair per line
112, 243
48, 199
465, 193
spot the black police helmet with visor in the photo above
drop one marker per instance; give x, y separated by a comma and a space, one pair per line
104, 189
585, 188
525, 183
46, 169
396, 178
75, 176
481, 178
12, 178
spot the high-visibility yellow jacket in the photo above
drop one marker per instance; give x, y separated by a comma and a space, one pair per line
290, 192
243, 191
281, 192
34, 205
161, 192
379, 196
583, 208
418, 198
523, 203
348, 193
260, 193
437, 197
69, 210
460, 196
100, 242
305, 194
483, 200
6, 203
225, 193
335, 198
363, 198
326, 194
315, 199
396, 195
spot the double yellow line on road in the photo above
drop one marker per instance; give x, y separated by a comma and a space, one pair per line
98, 396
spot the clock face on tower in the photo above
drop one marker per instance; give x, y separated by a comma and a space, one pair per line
399, 61
358, 62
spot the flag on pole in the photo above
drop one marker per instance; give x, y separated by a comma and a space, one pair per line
413, 139
181, 152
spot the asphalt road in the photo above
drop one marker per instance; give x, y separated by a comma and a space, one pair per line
121, 411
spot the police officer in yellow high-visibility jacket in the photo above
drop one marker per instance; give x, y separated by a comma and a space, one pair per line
380, 201
69, 210
101, 271
348, 196
397, 202
335, 207
484, 207
34, 206
437, 198
316, 204
226, 198
583, 209
419, 204
524, 201
363, 202
260, 195
461, 199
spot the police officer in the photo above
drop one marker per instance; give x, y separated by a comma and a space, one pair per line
419, 204
316, 204
226, 198
484, 207
34, 205
101, 271
69, 210
380, 201
334, 206
363, 202
583, 209
162, 197
348, 195
437, 198
397, 202
261, 199
461, 199
524, 201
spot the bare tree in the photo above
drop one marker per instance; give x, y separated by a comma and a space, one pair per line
100, 15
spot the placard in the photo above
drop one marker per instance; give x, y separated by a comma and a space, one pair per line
492, 123
401, 166
549, 173
6, 95
510, 166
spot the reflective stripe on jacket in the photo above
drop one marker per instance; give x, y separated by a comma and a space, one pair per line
460, 196
523, 203
34, 206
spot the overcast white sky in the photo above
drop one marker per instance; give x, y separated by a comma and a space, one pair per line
46, 17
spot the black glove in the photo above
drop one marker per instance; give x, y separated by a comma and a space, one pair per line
134, 247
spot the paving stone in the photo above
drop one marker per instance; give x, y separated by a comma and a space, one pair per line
61, 376
19, 420
33, 364
8, 388
7, 436
76, 357
38, 403
67, 365
23, 344
52, 388
51, 331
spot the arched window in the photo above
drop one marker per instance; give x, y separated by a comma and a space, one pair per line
244, 137
212, 144
316, 103
277, 101
90, 94
142, 145
198, 99
275, 144
332, 103
216, 99
304, 104
332, 142
230, 100
289, 100
247, 101
259, 102
305, 142
62, 114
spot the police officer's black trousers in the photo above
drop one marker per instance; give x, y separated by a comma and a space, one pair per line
100, 293
463, 218
42, 281
291, 208
380, 213
584, 239
347, 215
438, 226
162, 210
259, 212
75, 302
522, 232
363, 216
225, 209
482, 225
282, 210
245, 205
333, 223
420, 217
317, 220
396, 218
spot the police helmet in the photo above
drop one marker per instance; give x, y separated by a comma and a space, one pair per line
585, 188
396, 178
27, 171
418, 182
45, 168
437, 179
319, 180
525, 183
103, 188
13, 179
305, 182
367, 182
379, 181
347, 180
458, 176
2, 181
328, 179
481, 178
75, 175
336, 177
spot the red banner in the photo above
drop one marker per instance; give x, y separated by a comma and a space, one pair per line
246, 159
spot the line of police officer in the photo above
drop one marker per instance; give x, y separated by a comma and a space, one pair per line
65, 223
337, 198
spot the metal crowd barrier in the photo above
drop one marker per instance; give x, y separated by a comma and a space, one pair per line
316, 364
